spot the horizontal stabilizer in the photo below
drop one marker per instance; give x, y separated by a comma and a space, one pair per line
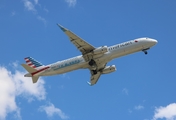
35, 79
28, 68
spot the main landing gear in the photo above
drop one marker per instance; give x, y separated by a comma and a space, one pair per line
92, 63
94, 72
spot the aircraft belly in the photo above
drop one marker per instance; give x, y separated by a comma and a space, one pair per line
70, 68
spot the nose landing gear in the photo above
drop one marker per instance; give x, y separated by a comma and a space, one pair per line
145, 51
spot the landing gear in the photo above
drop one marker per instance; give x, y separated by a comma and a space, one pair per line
145, 51
93, 65
94, 72
92, 62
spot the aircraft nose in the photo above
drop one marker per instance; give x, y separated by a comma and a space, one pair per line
153, 41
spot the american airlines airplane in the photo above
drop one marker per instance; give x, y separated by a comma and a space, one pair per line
93, 58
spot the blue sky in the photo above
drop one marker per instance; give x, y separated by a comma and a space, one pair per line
142, 88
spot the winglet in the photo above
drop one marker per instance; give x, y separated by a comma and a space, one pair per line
62, 28
89, 83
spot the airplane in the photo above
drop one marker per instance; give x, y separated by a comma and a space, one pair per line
93, 58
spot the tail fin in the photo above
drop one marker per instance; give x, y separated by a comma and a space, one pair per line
32, 62
30, 66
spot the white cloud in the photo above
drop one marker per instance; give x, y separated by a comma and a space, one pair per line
36, 1
168, 112
25, 87
32, 7
71, 3
139, 107
130, 111
29, 6
13, 13
125, 91
51, 110
7, 94
46, 10
14, 85
65, 75
41, 19
15, 64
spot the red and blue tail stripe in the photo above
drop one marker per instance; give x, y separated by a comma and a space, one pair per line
32, 62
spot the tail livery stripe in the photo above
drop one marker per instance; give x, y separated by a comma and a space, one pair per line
27, 60
32, 62
38, 71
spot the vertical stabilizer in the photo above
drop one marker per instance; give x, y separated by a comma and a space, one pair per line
32, 62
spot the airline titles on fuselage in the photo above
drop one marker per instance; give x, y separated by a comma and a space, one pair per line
121, 45
66, 64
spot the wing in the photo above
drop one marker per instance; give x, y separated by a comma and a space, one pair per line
94, 78
82, 45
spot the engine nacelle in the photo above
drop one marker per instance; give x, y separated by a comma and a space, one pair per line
109, 69
102, 49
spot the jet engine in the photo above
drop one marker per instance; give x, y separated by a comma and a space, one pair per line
109, 69
102, 49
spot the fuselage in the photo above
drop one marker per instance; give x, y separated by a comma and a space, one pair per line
114, 51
